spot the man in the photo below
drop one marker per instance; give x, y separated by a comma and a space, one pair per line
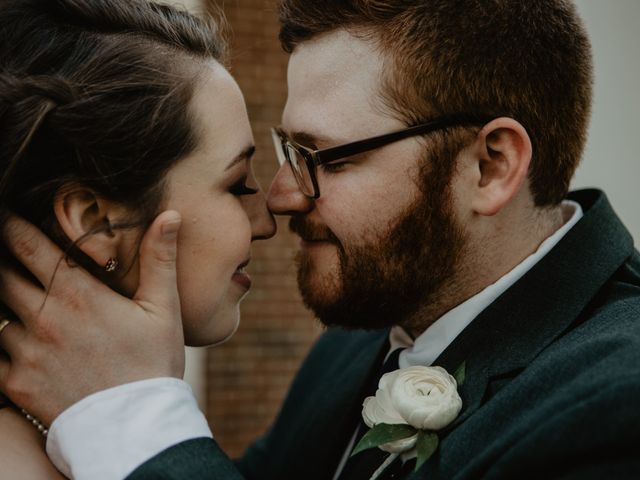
453, 241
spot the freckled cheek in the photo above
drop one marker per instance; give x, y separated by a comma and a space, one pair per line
197, 243
227, 240
205, 272
211, 247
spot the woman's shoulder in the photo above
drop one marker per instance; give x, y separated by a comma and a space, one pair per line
22, 453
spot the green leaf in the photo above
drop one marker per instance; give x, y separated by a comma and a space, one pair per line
426, 446
381, 434
460, 374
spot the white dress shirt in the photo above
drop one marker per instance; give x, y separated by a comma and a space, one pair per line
107, 435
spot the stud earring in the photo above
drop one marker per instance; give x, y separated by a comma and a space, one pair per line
111, 265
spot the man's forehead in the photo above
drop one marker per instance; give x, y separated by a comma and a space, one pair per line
333, 57
333, 79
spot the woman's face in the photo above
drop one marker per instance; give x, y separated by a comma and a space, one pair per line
222, 208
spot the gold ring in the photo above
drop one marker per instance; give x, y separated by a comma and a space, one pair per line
3, 324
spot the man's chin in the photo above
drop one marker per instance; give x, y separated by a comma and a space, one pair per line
320, 281
319, 292
319, 258
339, 315
318, 268
333, 309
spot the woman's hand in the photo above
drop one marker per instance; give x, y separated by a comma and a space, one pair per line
76, 336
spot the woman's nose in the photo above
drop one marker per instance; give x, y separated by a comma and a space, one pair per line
263, 224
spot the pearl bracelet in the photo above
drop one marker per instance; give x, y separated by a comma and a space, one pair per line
36, 423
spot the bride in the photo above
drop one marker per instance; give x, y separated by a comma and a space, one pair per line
113, 111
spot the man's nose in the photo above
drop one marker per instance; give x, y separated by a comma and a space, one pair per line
284, 196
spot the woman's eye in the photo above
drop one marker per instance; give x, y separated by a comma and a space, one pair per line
240, 188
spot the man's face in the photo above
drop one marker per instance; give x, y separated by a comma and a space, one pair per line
379, 242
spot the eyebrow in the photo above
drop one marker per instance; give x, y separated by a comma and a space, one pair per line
245, 155
306, 139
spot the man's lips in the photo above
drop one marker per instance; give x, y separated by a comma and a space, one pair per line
311, 233
310, 246
314, 241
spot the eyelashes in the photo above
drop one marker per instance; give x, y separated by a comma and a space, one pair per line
333, 167
240, 188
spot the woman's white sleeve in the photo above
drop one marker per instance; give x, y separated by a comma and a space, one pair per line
107, 435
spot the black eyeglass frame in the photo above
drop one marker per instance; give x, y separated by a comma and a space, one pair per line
313, 158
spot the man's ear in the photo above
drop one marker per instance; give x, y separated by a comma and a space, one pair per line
503, 154
86, 218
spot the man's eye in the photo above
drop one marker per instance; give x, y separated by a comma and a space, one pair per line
333, 167
240, 188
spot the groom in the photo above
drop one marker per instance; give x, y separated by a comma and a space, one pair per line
453, 243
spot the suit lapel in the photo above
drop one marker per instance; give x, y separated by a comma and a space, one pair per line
332, 409
548, 301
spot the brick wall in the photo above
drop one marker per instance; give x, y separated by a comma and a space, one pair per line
248, 377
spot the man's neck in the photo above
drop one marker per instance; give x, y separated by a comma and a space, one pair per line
485, 261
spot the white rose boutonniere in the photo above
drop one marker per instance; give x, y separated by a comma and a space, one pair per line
410, 405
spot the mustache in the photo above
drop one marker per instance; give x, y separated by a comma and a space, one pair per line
312, 232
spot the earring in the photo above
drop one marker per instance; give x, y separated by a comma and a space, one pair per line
111, 265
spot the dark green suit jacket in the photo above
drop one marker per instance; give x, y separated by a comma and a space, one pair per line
552, 384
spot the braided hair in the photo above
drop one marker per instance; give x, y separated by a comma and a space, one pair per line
96, 93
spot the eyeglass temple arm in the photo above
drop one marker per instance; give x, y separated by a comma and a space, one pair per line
354, 148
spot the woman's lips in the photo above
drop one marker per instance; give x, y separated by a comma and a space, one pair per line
241, 277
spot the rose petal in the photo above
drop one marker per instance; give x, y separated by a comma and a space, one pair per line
379, 409
425, 397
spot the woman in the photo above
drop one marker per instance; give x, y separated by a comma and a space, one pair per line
110, 112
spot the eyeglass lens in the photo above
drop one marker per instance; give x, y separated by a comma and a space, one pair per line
300, 169
288, 153
277, 143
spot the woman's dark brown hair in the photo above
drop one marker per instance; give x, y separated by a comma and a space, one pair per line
529, 60
96, 93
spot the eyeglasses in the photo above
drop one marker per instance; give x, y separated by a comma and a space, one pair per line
304, 160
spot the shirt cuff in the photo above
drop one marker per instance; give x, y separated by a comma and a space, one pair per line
109, 434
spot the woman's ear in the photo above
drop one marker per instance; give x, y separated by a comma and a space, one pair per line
86, 218
503, 155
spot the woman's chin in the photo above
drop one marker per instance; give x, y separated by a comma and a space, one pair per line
220, 329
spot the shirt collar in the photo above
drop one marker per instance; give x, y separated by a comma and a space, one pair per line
435, 339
